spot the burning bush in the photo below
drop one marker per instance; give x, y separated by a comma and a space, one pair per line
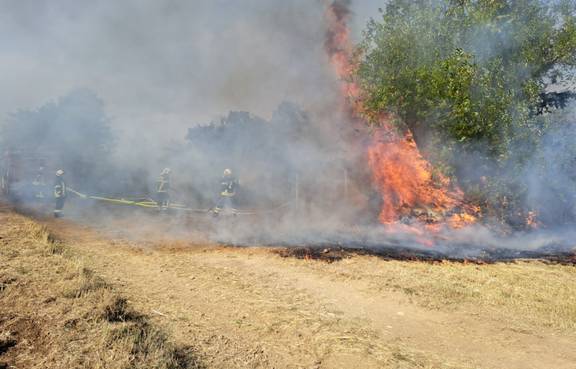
470, 84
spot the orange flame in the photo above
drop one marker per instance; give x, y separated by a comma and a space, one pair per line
402, 177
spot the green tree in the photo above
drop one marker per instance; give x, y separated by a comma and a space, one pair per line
479, 83
473, 73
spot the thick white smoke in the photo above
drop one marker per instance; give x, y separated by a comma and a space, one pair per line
163, 66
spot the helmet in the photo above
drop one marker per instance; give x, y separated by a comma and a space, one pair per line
227, 172
166, 171
60, 172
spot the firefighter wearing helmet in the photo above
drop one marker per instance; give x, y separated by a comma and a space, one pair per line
228, 185
60, 193
163, 189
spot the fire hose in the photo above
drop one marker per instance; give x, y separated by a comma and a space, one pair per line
151, 204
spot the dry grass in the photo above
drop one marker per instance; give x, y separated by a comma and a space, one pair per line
147, 345
82, 282
525, 293
57, 313
116, 309
76, 319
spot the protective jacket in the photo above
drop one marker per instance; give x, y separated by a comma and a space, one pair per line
228, 186
163, 185
60, 190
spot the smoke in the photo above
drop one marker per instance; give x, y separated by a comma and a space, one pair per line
550, 174
199, 86
161, 68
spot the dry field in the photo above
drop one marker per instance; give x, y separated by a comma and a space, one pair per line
73, 298
56, 312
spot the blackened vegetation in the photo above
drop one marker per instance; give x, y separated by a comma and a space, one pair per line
328, 255
332, 254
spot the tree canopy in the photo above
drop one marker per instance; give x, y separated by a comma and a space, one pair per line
470, 70
482, 85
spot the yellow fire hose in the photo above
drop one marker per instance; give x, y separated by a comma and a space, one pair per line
153, 205
145, 204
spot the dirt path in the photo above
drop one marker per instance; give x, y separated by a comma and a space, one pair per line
249, 308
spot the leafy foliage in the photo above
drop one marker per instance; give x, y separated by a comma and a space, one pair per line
475, 81
472, 71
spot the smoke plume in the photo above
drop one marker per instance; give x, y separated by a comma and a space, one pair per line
256, 86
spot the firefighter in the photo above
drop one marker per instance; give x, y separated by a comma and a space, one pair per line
228, 186
163, 189
60, 193
39, 184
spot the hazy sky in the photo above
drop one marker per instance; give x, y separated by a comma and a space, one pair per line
164, 65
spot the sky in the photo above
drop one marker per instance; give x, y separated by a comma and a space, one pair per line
162, 66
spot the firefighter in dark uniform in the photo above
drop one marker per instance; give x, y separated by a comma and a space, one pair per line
60, 193
228, 186
163, 189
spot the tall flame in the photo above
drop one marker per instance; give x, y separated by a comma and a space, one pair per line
402, 177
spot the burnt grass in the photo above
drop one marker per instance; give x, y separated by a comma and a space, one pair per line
329, 253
